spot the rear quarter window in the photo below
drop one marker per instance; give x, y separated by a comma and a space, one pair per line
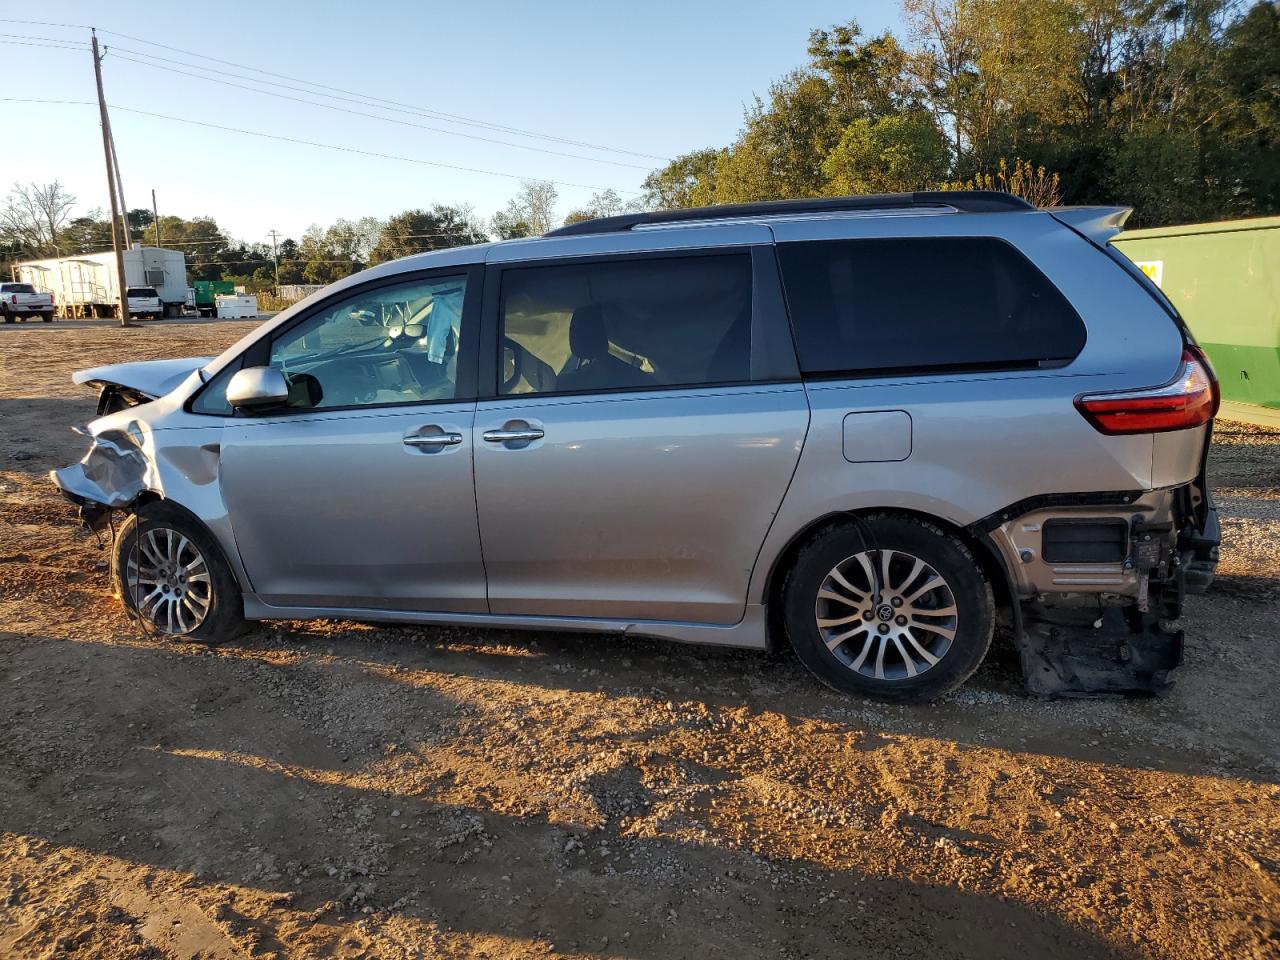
923, 303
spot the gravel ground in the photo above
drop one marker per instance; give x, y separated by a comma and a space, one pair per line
333, 789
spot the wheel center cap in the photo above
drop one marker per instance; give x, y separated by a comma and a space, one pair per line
884, 612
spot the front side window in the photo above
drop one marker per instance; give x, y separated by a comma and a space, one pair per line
630, 324
394, 344
913, 303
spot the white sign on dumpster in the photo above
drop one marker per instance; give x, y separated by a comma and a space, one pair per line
237, 307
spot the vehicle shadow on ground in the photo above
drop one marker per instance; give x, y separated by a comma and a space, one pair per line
247, 786
1248, 587
992, 710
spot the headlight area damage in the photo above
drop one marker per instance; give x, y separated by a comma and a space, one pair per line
111, 476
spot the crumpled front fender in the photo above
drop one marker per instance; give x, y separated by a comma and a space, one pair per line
113, 474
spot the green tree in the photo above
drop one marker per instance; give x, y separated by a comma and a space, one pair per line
893, 154
327, 255
510, 225
1172, 106
781, 150
139, 219
1247, 127
290, 263
868, 79
419, 231
687, 181
90, 233
530, 213
605, 203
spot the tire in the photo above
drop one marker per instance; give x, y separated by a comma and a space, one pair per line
47, 317
8, 318
204, 604
882, 639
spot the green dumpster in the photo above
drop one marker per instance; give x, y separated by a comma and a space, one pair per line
207, 292
1224, 278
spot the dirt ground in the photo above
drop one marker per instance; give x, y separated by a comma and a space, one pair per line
334, 789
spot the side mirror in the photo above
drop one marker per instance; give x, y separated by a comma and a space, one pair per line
257, 388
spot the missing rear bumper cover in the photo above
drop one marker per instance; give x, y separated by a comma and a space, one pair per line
1083, 651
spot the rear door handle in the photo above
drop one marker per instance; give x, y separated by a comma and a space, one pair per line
432, 440
507, 436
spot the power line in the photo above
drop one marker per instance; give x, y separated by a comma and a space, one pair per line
315, 143
452, 117
68, 45
27, 36
377, 103
46, 23
115, 51
48, 46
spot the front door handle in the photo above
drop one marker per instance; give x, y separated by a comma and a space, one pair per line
433, 440
507, 436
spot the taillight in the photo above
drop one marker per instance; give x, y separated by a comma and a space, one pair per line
1189, 400
14, 298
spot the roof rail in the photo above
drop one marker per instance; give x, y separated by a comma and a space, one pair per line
965, 201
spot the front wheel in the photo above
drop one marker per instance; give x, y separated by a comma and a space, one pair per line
169, 572
889, 607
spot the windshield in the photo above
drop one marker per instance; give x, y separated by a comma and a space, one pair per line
17, 288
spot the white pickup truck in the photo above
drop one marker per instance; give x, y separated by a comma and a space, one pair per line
144, 302
20, 300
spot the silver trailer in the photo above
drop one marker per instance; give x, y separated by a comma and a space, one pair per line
85, 286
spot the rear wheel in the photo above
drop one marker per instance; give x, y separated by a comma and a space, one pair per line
889, 607
168, 571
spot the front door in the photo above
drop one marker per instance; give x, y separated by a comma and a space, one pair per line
360, 492
642, 440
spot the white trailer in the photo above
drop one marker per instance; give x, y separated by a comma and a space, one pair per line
85, 286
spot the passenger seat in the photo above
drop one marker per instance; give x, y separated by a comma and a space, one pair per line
591, 366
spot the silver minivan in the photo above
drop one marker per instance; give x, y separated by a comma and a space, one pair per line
876, 428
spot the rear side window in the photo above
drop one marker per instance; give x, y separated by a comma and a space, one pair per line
912, 303
632, 324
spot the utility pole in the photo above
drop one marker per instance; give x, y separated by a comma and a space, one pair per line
275, 259
111, 184
124, 207
155, 216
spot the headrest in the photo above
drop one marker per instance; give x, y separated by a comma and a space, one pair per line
587, 337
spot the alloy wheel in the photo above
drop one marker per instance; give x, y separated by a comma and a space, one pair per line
886, 614
168, 580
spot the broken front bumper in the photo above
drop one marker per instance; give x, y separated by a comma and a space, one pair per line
111, 475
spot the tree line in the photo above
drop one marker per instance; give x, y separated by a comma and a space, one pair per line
1170, 106
38, 221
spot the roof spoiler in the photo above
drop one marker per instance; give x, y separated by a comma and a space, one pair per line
1098, 224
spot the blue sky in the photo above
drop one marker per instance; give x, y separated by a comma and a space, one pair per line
657, 78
